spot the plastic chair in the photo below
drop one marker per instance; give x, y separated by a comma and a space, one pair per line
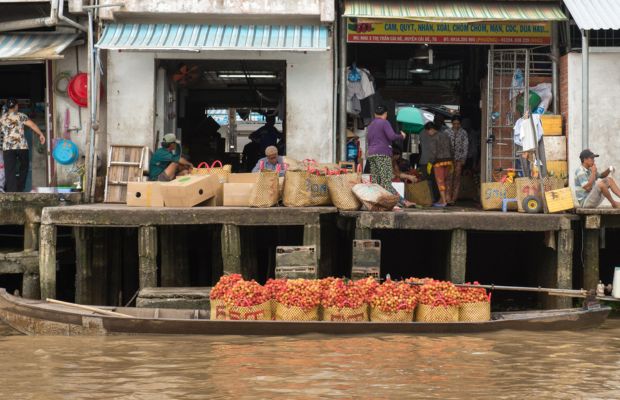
505, 203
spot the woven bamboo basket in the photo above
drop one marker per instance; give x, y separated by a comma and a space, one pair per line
377, 315
219, 310
475, 312
284, 313
346, 314
259, 312
426, 313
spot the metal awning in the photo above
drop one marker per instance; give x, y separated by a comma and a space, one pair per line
454, 11
197, 37
595, 14
34, 46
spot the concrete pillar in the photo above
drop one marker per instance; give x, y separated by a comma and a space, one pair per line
363, 233
591, 245
147, 253
174, 256
312, 237
457, 256
249, 257
99, 266
116, 261
47, 261
30, 286
564, 267
31, 235
83, 257
231, 249
217, 266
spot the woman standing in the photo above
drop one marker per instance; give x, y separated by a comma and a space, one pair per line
380, 138
440, 160
15, 147
460, 145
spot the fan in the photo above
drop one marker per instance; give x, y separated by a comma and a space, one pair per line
186, 74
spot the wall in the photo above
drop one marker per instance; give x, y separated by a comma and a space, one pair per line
603, 114
309, 103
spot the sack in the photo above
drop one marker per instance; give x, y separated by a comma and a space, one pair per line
425, 313
475, 312
305, 189
260, 312
346, 314
419, 193
219, 310
527, 135
374, 197
284, 313
340, 189
265, 192
493, 193
531, 187
376, 315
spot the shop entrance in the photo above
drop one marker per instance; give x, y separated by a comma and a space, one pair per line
215, 105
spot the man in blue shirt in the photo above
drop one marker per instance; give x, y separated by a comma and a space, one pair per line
590, 186
270, 162
167, 163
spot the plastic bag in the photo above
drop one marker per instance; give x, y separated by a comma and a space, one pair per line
374, 197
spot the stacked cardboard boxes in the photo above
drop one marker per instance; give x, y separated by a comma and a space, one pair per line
555, 146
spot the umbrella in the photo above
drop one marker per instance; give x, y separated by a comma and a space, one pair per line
411, 119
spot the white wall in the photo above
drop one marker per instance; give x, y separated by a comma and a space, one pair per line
604, 137
309, 91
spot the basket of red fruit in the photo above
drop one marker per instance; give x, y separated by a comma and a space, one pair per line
393, 302
298, 300
344, 301
217, 297
475, 304
247, 300
438, 302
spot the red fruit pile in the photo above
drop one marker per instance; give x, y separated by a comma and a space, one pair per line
274, 286
343, 294
394, 296
439, 293
247, 294
368, 287
302, 293
226, 282
473, 295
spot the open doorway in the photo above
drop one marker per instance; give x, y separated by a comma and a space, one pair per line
214, 106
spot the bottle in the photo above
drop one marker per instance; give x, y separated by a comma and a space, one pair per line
600, 289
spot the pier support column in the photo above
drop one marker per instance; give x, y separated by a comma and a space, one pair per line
147, 253
99, 266
457, 256
312, 237
83, 272
363, 233
31, 235
174, 256
47, 261
249, 255
564, 267
591, 246
231, 249
31, 288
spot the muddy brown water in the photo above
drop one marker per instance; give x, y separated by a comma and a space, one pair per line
502, 365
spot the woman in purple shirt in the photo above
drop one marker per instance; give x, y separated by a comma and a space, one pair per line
380, 138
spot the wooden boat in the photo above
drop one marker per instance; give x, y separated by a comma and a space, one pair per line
38, 317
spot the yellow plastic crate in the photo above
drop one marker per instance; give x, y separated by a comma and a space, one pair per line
560, 200
552, 125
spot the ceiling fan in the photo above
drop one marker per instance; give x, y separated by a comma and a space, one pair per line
186, 74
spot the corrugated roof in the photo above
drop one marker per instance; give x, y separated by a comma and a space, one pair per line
454, 11
34, 46
196, 37
595, 14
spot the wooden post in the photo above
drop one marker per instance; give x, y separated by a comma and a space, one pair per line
115, 266
174, 256
591, 245
231, 249
457, 256
83, 257
30, 286
564, 267
47, 261
312, 237
147, 253
31, 235
99, 265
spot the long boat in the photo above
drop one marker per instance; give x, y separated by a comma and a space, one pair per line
39, 317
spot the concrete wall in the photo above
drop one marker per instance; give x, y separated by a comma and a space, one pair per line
604, 118
131, 92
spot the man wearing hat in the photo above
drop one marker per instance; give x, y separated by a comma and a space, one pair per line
590, 186
167, 163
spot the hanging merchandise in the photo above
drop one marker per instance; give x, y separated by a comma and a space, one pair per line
78, 89
523, 132
360, 85
66, 151
353, 74
544, 91
517, 85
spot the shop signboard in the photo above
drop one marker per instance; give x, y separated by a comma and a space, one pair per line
402, 31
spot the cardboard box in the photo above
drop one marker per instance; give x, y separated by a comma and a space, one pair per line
237, 194
190, 190
555, 148
559, 169
144, 194
560, 200
552, 124
243, 178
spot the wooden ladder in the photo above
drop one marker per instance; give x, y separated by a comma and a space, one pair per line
125, 164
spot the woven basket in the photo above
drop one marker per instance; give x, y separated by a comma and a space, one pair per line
284, 313
377, 315
475, 312
219, 310
221, 172
492, 195
341, 191
419, 193
346, 314
531, 187
265, 192
303, 189
425, 313
258, 312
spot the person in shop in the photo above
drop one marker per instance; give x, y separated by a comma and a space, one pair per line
591, 187
271, 161
251, 153
401, 169
380, 137
268, 133
167, 162
15, 146
440, 160
460, 146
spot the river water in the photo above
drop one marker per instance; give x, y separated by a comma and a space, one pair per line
502, 365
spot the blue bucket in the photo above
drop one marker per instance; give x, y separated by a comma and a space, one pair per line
66, 152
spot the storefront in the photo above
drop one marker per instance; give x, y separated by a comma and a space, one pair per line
449, 58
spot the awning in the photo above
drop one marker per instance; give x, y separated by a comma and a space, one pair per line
190, 37
34, 46
595, 14
454, 11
